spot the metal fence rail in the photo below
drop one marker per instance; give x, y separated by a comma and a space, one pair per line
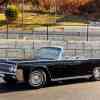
19, 53
58, 32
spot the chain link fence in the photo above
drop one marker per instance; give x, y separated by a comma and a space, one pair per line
24, 54
25, 49
58, 32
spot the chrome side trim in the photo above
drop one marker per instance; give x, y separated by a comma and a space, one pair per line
1, 73
68, 78
5, 63
19, 75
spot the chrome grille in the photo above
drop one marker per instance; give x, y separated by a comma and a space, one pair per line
4, 67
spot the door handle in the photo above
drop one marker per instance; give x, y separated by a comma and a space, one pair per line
76, 62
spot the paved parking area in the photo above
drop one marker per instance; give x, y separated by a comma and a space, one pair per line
70, 90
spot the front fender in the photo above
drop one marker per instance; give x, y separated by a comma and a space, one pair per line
24, 70
43, 67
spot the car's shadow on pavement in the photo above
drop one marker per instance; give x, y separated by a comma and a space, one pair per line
6, 88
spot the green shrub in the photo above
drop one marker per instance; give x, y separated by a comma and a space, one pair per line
11, 12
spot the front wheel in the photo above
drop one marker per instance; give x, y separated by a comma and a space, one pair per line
37, 78
96, 73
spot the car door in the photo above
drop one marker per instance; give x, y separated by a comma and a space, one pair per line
58, 69
69, 68
61, 69
79, 68
73, 68
84, 67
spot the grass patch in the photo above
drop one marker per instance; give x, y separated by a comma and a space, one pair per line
2, 17
73, 19
2, 20
51, 20
2, 23
38, 20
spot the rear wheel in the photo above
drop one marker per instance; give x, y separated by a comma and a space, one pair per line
96, 73
37, 78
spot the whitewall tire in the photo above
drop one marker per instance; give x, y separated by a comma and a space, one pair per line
37, 78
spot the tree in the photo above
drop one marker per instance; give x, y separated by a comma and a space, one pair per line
64, 6
35, 3
11, 13
3, 1
88, 8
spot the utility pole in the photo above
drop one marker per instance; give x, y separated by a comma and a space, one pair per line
55, 8
22, 17
22, 12
87, 36
7, 32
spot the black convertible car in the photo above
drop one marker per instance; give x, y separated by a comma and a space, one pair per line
49, 64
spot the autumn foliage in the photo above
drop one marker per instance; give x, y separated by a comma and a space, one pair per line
66, 6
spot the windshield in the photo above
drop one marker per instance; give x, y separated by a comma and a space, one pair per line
50, 53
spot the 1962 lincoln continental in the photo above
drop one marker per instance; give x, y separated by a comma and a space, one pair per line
49, 64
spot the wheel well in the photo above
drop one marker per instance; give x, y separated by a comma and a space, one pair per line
45, 70
26, 73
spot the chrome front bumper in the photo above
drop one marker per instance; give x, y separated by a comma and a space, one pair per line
2, 74
18, 75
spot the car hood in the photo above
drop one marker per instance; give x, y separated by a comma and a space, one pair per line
7, 64
19, 61
35, 61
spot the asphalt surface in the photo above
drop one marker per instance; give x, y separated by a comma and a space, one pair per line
69, 90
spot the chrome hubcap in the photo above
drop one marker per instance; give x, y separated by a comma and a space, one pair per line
36, 78
97, 73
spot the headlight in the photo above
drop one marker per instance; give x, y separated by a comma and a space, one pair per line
12, 69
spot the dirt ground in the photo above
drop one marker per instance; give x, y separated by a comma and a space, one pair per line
69, 90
